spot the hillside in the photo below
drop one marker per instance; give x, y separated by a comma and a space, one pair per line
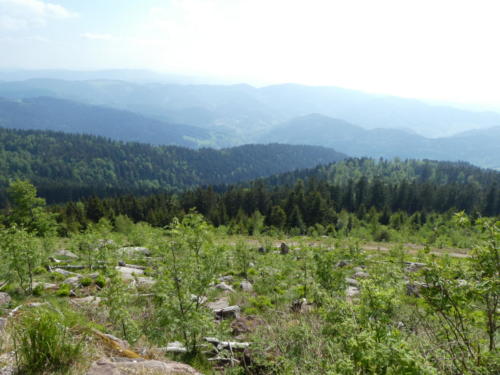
480, 147
46, 113
66, 166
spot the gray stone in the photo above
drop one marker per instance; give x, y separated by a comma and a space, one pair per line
342, 263
135, 250
175, 347
225, 287
139, 366
128, 273
361, 275
414, 266
89, 300
64, 272
226, 278
228, 312
352, 291
67, 254
45, 286
4, 298
351, 282
219, 304
246, 286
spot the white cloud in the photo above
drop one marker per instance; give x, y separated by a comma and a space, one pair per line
18, 15
103, 37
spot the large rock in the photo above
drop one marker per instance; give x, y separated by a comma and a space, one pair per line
135, 250
228, 312
89, 301
246, 286
218, 304
225, 287
126, 366
67, 254
128, 273
4, 299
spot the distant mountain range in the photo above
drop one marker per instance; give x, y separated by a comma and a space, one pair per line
46, 113
246, 111
352, 122
480, 147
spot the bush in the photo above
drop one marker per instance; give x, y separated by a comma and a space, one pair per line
64, 290
86, 281
100, 281
44, 343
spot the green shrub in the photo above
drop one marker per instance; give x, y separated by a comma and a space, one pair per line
86, 281
64, 290
44, 344
38, 290
100, 281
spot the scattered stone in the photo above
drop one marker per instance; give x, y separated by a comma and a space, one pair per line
352, 291
175, 347
342, 263
137, 267
4, 298
246, 286
219, 304
73, 281
359, 269
128, 273
284, 249
200, 299
139, 366
135, 250
225, 287
262, 250
414, 266
361, 275
54, 260
64, 272
229, 345
90, 300
3, 323
228, 312
45, 286
226, 278
145, 282
8, 363
351, 281
67, 254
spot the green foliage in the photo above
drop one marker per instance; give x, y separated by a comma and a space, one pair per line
189, 264
21, 254
44, 343
27, 211
117, 298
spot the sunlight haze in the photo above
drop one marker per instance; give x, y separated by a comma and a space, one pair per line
443, 50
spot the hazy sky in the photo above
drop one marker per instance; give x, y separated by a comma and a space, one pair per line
436, 49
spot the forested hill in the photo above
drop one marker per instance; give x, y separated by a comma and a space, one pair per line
394, 192
68, 166
395, 171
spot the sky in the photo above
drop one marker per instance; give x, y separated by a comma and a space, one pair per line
444, 50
